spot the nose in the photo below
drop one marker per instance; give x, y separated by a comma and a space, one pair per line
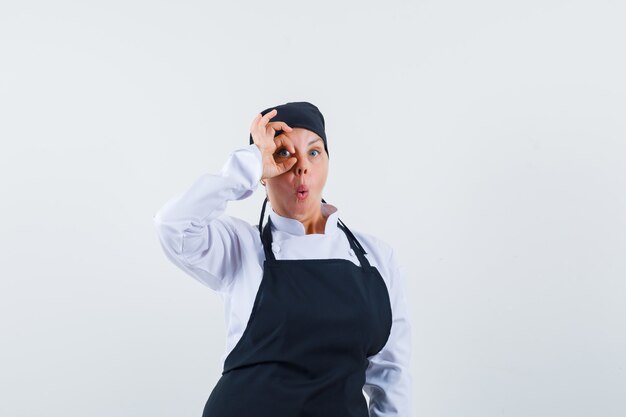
301, 167
301, 170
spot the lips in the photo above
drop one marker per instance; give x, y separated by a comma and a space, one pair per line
302, 192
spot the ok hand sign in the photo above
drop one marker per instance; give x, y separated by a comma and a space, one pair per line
262, 131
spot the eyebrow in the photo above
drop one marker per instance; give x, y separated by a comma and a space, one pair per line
314, 140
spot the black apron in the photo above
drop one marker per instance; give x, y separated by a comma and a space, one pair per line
304, 350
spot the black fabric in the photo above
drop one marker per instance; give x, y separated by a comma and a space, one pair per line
299, 114
305, 348
263, 216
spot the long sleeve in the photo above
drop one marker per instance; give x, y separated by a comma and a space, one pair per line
388, 379
192, 228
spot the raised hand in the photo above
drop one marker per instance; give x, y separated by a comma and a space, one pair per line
262, 131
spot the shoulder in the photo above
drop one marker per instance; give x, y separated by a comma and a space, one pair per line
382, 256
379, 251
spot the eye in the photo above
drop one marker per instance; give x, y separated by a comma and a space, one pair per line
283, 152
315, 150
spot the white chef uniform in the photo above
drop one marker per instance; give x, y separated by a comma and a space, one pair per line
225, 254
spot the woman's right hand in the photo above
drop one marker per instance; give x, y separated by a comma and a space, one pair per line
262, 131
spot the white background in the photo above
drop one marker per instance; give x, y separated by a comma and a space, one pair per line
484, 140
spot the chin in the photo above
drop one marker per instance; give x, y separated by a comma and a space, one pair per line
303, 206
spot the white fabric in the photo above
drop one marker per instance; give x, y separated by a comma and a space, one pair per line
225, 254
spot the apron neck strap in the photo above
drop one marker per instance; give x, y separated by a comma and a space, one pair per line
267, 238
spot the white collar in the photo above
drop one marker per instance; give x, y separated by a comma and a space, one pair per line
294, 227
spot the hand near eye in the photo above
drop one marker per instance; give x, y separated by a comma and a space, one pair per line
262, 131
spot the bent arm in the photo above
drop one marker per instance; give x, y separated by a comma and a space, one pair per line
192, 228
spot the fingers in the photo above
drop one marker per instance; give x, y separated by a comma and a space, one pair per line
263, 131
280, 125
260, 121
287, 165
282, 140
268, 116
265, 120
255, 122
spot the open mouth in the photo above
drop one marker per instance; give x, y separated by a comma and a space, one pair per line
302, 192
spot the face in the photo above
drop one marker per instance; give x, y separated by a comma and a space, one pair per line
308, 173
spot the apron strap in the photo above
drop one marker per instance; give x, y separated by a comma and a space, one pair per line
261, 219
267, 238
355, 245
359, 250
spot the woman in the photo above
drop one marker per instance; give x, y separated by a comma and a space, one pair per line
316, 313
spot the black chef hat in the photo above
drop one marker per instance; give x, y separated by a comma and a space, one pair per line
298, 114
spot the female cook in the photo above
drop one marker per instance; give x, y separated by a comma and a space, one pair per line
316, 313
